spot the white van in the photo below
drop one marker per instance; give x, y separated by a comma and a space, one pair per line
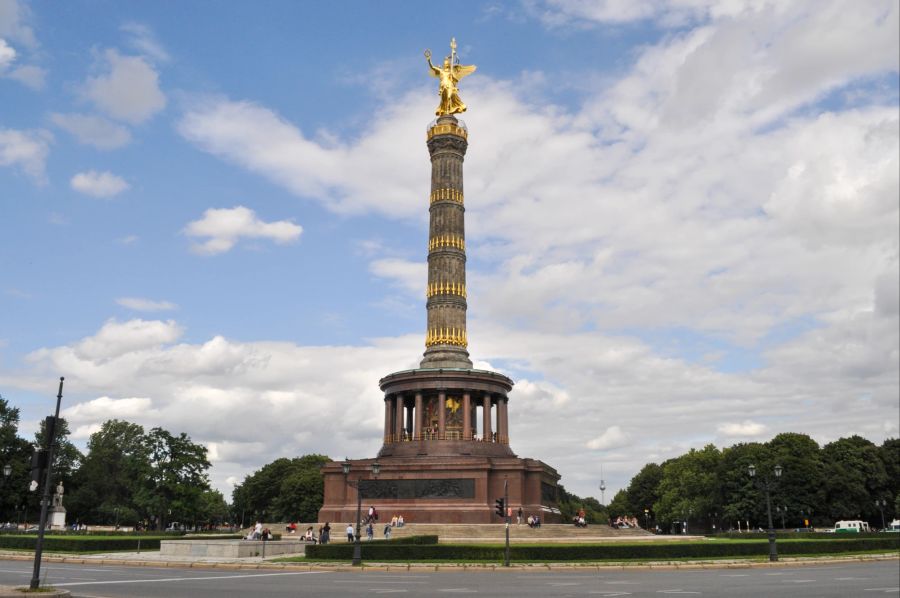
851, 527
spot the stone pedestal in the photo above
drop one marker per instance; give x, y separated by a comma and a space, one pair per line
57, 517
434, 489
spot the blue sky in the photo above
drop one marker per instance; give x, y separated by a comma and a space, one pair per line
681, 220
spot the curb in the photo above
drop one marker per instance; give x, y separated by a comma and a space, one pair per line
464, 567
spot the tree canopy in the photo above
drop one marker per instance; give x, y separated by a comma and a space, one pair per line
711, 489
283, 490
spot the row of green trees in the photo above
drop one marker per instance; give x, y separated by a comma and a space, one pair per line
707, 487
284, 490
128, 476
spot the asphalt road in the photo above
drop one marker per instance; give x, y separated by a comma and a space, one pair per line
869, 579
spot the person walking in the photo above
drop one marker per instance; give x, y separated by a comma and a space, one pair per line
350, 534
370, 532
387, 531
519, 516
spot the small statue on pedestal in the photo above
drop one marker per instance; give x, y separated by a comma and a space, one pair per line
57, 510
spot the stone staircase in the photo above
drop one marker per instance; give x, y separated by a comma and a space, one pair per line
453, 533
489, 533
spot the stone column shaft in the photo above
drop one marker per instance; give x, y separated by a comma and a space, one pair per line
467, 416
504, 419
486, 417
388, 409
446, 338
398, 415
442, 408
417, 432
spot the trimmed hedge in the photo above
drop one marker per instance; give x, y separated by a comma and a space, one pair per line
66, 532
594, 552
337, 551
84, 543
795, 535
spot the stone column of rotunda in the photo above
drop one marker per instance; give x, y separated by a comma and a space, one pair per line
446, 339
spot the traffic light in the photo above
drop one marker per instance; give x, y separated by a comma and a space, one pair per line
38, 466
499, 505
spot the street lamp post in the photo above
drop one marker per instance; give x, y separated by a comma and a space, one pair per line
766, 484
647, 519
602, 486
7, 469
357, 547
881, 504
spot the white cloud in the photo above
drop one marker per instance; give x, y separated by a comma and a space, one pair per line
262, 141
7, 54
33, 77
13, 28
410, 275
226, 226
14, 16
239, 387
141, 304
612, 438
745, 428
142, 39
93, 130
98, 184
127, 90
116, 339
706, 196
105, 408
26, 150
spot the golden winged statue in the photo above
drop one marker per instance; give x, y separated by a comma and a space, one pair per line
449, 74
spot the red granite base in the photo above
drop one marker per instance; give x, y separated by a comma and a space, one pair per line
461, 489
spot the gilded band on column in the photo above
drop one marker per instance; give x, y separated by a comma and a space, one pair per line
454, 195
446, 288
447, 129
446, 336
441, 241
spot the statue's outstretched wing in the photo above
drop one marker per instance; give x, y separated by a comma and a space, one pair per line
460, 71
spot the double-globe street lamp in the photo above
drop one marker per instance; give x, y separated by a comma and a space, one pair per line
376, 467
764, 482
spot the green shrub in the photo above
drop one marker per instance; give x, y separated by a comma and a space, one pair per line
594, 552
782, 535
66, 532
84, 543
337, 550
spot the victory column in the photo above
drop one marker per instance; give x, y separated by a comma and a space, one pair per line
437, 464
